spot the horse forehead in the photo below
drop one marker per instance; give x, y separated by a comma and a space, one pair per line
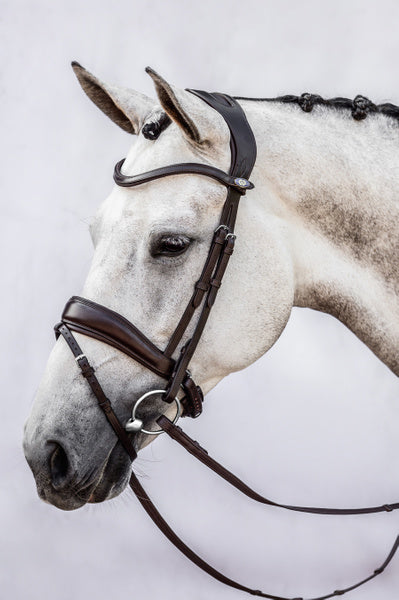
170, 147
147, 211
173, 146
184, 199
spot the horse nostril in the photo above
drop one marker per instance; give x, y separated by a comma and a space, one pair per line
59, 466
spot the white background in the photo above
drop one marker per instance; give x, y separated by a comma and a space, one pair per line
315, 421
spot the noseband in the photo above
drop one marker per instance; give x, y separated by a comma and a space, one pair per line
91, 319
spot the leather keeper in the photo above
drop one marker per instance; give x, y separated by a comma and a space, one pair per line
216, 283
201, 285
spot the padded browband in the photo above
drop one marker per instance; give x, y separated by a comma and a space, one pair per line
242, 139
242, 147
237, 183
87, 317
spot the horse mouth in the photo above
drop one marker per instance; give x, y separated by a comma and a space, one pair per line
104, 483
112, 478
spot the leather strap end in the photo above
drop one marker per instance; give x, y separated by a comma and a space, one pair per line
193, 399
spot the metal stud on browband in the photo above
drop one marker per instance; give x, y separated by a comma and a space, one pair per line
243, 183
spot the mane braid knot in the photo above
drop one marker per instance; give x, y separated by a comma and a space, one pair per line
361, 106
306, 102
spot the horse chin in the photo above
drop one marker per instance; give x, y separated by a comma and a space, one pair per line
63, 501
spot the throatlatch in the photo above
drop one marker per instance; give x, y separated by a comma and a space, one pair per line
91, 319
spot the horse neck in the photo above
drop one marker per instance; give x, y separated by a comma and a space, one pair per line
332, 182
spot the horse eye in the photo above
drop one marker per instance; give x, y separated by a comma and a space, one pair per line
171, 245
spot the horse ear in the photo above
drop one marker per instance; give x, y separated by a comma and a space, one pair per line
125, 107
185, 109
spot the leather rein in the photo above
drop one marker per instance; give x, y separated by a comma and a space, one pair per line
91, 319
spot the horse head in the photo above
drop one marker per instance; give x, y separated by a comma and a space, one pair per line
150, 244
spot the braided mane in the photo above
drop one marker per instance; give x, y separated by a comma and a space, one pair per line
360, 107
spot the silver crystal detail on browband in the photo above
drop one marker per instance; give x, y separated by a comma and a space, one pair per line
242, 183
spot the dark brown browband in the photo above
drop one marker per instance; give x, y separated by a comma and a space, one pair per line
87, 317
179, 169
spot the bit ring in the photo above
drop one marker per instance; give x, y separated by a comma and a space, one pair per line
135, 424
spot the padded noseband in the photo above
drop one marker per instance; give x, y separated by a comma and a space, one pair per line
96, 321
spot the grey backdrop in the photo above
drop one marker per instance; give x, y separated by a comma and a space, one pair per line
314, 421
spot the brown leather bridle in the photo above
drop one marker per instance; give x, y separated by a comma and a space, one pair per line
91, 319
